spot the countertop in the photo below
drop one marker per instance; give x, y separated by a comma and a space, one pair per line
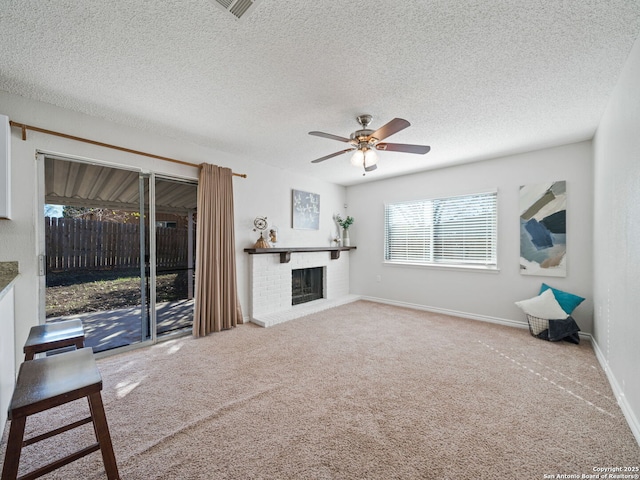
8, 272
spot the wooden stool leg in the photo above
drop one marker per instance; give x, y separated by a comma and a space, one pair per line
14, 448
103, 436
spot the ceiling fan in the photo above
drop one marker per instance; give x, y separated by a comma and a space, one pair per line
365, 142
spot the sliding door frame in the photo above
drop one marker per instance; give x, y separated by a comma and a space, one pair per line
190, 251
150, 177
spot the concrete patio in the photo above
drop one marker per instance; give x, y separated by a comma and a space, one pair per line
117, 328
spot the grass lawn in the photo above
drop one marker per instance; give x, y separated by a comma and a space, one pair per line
71, 293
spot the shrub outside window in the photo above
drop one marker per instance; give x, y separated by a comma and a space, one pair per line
453, 231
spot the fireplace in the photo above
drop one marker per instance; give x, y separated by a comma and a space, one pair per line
271, 280
307, 285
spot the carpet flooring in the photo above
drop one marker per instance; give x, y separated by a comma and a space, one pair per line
362, 391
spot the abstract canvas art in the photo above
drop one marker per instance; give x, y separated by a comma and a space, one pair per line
305, 210
543, 229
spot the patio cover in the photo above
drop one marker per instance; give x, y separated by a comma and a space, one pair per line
88, 185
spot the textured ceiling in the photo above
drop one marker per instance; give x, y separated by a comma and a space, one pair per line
476, 79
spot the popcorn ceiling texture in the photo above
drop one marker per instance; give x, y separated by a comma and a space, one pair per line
476, 79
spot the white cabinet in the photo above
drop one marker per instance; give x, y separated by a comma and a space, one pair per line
5, 167
7, 352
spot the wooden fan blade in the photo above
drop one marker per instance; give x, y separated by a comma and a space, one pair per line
403, 147
327, 157
394, 126
328, 135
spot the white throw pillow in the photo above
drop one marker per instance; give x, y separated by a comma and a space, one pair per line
543, 306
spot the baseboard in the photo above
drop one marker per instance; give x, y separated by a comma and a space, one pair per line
453, 313
629, 415
586, 336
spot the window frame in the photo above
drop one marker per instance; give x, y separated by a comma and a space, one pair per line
430, 257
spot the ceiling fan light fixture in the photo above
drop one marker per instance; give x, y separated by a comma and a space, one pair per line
357, 159
370, 158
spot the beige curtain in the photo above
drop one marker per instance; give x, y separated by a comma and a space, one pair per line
216, 298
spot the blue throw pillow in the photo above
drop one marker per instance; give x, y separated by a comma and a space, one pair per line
568, 301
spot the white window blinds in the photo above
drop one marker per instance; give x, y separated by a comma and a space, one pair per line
458, 230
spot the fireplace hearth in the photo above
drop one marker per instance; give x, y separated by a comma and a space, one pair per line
307, 285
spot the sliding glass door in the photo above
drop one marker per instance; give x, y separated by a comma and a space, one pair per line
118, 252
175, 227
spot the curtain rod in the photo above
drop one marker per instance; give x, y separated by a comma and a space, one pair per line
24, 129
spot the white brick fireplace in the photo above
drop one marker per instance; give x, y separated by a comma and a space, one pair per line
270, 287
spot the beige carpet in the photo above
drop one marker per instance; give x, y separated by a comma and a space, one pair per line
363, 391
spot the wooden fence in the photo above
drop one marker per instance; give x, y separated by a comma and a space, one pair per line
74, 244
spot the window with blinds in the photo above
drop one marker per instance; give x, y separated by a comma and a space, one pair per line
459, 231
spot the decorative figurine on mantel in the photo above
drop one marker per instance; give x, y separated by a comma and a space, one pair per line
260, 225
345, 224
273, 235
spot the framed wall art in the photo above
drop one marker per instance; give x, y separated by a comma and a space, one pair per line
305, 210
543, 229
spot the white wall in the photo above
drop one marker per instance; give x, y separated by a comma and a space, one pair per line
266, 191
485, 295
617, 239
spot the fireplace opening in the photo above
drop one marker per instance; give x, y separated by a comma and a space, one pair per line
306, 285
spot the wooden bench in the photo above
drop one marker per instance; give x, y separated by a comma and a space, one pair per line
54, 335
45, 383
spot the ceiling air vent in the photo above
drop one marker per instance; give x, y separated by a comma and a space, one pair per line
238, 8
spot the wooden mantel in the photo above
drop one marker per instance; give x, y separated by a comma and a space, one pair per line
285, 253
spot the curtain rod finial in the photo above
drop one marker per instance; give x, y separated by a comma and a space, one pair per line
21, 126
